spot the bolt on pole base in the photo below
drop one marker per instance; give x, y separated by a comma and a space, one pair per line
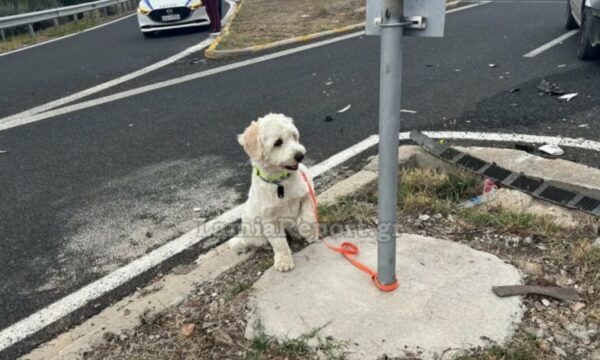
389, 127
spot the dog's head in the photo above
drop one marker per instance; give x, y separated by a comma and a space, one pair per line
273, 141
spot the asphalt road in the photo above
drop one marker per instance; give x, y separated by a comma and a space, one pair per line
88, 191
35, 76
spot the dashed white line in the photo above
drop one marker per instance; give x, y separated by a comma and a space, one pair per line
551, 44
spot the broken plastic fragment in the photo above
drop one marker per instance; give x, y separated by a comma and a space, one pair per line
568, 97
583, 125
408, 111
514, 90
344, 109
3, 151
328, 118
551, 149
549, 88
492, 65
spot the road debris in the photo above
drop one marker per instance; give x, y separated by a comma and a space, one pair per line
562, 65
344, 109
424, 217
489, 193
551, 149
568, 97
408, 111
561, 293
328, 118
3, 152
550, 88
514, 90
492, 65
328, 83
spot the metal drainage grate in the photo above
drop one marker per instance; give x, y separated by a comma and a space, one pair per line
449, 154
557, 195
471, 163
587, 204
497, 173
527, 183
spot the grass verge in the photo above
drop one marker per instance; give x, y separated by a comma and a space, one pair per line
265, 21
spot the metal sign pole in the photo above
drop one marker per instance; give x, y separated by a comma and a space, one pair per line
389, 127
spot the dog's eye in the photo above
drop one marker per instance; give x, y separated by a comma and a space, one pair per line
278, 143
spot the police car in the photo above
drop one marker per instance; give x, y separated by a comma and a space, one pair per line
155, 15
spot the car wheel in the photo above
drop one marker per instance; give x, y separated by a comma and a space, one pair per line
571, 24
586, 51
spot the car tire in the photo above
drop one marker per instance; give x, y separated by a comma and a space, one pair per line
571, 23
585, 50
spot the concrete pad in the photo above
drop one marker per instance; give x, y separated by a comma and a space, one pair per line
444, 300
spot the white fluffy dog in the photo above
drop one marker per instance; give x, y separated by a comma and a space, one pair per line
278, 197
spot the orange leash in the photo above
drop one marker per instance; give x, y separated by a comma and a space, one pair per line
348, 249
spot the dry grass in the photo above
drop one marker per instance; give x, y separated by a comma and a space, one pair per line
264, 21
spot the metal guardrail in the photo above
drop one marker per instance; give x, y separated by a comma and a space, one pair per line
56, 13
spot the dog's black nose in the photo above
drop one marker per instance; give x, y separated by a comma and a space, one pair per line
299, 157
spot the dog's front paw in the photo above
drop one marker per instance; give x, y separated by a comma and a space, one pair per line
284, 263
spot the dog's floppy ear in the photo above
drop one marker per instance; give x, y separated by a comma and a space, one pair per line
250, 140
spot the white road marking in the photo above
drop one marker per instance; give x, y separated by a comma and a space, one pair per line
500, 137
551, 44
95, 89
35, 114
67, 36
61, 308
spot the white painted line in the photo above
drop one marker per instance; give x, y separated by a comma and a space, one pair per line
467, 7
33, 115
66, 36
551, 44
101, 87
61, 308
500, 137
18, 120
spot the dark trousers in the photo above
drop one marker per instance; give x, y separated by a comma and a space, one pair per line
214, 14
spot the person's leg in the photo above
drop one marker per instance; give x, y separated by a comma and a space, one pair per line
212, 10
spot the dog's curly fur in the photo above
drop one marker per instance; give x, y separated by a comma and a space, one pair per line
272, 143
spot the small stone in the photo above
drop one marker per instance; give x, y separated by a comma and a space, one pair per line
424, 217
564, 281
528, 240
123, 337
223, 338
560, 352
546, 302
544, 345
581, 332
530, 268
577, 306
126, 312
149, 234
187, 329
596, 243
549, 279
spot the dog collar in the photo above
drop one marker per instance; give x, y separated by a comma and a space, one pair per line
274, 179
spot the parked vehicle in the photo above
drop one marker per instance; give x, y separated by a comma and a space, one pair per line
155, 15
585, 14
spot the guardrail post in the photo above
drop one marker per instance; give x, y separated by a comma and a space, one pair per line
76, 18
56, 22
105, 11
31, 31
2, 33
